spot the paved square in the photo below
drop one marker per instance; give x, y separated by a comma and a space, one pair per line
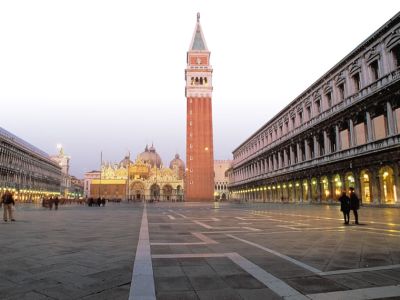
200, 251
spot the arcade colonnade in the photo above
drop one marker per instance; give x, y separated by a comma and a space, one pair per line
343, 131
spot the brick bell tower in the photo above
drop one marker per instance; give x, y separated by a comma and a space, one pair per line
199, 182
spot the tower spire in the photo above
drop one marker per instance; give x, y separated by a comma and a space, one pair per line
198, 17
198, 42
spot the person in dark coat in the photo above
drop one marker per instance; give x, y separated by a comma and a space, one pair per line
8, 201
56, 201
103, 202
345, 207
98, 202
354, 204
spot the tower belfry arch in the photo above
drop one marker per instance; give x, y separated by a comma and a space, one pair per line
199, 182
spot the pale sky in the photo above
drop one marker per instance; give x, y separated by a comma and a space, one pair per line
108, 76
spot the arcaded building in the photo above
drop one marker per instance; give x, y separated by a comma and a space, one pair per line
221, 180
343, 131
26, 171
199, 181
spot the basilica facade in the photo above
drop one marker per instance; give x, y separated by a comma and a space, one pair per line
146, 178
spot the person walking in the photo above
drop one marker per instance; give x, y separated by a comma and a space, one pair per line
345, 207
354, 204
8, 201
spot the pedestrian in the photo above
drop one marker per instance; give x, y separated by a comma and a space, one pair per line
51, 201
8, 201
103, 201
345, 207
98, 202
56, 201
354, 204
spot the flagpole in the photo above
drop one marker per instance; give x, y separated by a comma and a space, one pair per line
101, 163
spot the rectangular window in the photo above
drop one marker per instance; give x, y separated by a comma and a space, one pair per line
396, 56
341, 91
374, 70
286, 127
318, 106
356, 82
379, 125
329, 99
293, 122
300, 118
281, 130
308, 109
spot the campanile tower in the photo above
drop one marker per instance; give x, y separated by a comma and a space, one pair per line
199, 184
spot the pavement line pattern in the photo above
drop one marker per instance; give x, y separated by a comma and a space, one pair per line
171, 217
142, 284
389, 267
292, 260
205, 241
278, 286
360, 294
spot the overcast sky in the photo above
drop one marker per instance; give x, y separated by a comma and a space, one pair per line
109, 75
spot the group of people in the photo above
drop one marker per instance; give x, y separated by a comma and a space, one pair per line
348, 203
49, 202
96, 202
7, 200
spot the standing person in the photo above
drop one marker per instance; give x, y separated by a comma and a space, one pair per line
51, 203
354, 204
56, 201
103, 201
8, 202
345, 207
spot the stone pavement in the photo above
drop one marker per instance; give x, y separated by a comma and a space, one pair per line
200, 251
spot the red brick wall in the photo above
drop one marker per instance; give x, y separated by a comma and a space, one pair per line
199, 185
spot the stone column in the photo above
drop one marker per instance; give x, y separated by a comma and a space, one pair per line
337, 138
390, 119
375, 186
307, 149
298, 152
396, 174
357, 183
285, 158
279, 160
292, 160
332, 186
326, 143
316, 146
370, 133
351, 133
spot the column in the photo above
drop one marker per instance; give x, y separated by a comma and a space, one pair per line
337, 137
307, 149
326, 143
375, 186
292, 160
279, 160
396, 174
357, 183
370, 135
390, 119
332, 186
316, 146
298, 152
351, 132
285, 158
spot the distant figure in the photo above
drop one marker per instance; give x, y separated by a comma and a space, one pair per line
8, 201
103, 202
354, 204
98, 202
345, 207
56, 201
51, 202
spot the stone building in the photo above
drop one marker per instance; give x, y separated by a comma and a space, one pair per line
26, 170
88, 177
63, 161
199, 131
343, 131
143, 179
221, 179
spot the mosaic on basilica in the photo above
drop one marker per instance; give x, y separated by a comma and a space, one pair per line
143, 179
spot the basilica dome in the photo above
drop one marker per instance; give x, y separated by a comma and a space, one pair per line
177, 162
150, 156
126, 162
178, 165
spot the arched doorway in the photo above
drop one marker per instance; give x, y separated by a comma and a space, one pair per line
337, 186
314, 190
305, 190
136, 191
365, 183
167, 192
179, 193
387, 185
349, 181
297, 191
155, 192
223, 197
325, 193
